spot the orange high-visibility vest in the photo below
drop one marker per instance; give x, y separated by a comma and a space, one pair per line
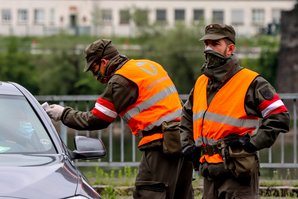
158, 99
225, 114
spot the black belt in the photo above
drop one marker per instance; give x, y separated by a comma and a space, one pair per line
210, 150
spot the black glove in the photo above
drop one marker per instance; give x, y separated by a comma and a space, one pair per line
193, 154
188, 151
236, 141
249, 147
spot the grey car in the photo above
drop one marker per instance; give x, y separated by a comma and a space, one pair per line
34, 162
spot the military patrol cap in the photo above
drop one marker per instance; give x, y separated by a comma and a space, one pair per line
219, 31
97, 50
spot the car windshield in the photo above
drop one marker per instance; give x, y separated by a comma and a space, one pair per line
21, 130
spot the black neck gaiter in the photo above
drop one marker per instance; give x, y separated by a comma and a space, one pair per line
214, 59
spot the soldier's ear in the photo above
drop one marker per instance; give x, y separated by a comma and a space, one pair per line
231, 48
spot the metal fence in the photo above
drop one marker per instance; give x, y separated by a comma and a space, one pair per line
122, 145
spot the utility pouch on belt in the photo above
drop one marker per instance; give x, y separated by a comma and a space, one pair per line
171, 140
239, 162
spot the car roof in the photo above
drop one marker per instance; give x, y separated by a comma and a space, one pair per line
8, 88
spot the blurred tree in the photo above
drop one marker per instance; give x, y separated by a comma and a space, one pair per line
57, 68
56, 74
16, 64
179, 51
140, 20
61, 73
268, 63
265, 65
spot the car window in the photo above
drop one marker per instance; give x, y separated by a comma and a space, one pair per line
21, 130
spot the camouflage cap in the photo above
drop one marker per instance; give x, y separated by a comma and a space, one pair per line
219, 31
97, 50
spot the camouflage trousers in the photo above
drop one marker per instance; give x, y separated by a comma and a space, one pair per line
163, 176
227, 186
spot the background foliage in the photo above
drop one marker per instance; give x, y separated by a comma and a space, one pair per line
53, 65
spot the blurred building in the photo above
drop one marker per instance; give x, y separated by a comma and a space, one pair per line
114, 17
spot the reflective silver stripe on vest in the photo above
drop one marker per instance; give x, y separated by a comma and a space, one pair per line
198, 115
149, 102
166, 118
246, 123
203, 140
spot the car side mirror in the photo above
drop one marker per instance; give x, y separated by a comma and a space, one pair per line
88, 148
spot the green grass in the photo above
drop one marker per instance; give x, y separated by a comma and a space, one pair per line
117, 182
115, 177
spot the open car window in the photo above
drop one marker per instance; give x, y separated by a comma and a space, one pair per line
21, 130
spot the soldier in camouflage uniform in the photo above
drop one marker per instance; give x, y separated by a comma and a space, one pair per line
143, 95
231, 113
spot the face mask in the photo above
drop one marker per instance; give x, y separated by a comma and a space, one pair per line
26, 129
214, 59
100, 77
